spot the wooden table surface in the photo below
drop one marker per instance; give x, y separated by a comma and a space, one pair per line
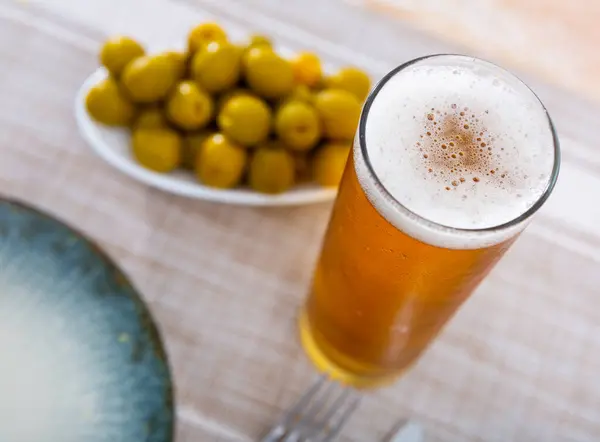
520, 362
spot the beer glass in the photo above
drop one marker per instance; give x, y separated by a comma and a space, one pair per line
452, 157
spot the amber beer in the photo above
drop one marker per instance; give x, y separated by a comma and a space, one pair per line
452, 157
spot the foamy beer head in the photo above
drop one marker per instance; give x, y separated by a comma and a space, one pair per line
456, 151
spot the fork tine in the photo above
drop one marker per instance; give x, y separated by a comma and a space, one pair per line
294, 436
343, 418
320, 402
319, 415
306, 420
337, 404
275, 434
321, 425
305, 399
281, 428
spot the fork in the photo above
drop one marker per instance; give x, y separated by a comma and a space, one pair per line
318, 416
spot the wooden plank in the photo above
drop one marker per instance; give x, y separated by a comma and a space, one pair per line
518, 362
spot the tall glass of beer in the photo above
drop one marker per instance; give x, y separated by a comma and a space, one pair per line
452, 157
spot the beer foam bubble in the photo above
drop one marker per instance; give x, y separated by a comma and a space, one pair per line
461, 144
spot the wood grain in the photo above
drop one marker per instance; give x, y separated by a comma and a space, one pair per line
518, 363
553, 38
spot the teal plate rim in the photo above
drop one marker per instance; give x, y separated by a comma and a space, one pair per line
146, 320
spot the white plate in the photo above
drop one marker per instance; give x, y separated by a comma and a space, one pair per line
112, 145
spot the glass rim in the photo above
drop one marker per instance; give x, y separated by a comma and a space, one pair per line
432, 224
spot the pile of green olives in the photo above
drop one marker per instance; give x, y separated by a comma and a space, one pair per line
231, 114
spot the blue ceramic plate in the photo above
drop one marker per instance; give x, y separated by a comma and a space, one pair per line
80, 356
